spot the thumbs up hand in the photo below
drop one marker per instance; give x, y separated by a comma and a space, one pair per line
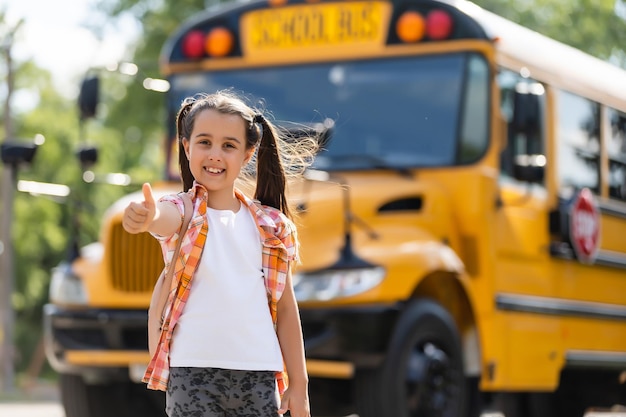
139, 216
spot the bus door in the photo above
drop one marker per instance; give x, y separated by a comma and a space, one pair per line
522, 276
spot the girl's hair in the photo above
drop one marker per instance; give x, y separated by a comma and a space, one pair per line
275, 157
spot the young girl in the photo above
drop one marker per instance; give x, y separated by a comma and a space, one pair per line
222, 351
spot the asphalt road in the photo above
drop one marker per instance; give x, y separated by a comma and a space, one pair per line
26, 409
53, 409
43, 401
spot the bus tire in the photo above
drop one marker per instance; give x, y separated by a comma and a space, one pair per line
367, 393
74, 395
423, 372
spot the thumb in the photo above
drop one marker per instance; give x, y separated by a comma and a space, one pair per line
147, 196
284, 406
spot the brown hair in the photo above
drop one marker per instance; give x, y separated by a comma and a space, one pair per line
272, 151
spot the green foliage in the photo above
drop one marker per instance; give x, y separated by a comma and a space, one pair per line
141, 116
40, 232
592, 26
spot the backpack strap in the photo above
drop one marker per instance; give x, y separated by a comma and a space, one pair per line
167, 279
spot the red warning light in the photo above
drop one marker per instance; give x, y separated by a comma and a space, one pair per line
193, 44
438, 25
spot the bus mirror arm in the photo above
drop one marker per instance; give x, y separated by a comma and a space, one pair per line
529, 169
501, 131
348, 259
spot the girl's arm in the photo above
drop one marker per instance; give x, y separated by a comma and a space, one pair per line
162, 218
289, 330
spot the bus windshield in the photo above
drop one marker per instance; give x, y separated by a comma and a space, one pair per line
386, 113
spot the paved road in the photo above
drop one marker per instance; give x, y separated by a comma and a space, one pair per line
20, 409
43, 401
53, 409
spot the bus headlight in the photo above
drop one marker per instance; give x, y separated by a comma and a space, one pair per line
65, 287
326, 285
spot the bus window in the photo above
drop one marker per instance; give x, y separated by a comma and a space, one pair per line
578, 143
617, 155
520, 142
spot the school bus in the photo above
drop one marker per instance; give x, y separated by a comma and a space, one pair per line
462, 228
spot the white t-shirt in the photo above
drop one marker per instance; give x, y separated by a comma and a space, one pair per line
226, 322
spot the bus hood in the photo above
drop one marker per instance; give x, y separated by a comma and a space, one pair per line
369, 227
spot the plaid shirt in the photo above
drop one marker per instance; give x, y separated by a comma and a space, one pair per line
280, 247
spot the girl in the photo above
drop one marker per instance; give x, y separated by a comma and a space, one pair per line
222, 350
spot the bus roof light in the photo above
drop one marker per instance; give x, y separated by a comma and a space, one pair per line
193, 44
219, 42
411, 26
438, 25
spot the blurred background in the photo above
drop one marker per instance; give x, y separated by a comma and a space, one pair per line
49, 47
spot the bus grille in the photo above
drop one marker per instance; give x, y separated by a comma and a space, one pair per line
136, 261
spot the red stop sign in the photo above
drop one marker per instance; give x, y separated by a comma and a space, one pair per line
585, 226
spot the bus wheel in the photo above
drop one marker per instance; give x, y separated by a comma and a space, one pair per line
423, 372
74, 395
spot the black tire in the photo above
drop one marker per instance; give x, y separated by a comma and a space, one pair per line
119, 398
74, 396
422, 375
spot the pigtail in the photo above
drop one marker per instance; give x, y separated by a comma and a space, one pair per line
183, 131
270, 183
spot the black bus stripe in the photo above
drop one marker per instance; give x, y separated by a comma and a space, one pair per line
559, 307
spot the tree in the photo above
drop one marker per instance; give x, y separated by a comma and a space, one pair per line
42, 230
141, 115
593, 26
39, 233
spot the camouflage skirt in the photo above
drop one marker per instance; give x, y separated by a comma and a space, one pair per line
212, 392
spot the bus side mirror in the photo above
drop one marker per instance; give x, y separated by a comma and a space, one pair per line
529, 168
526, 131
88, 97
526, 118
16, 154
322, 132
87, 156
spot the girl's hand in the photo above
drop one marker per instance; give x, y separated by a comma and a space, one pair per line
296, 402
138, 216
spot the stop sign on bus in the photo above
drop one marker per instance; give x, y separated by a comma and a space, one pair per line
584, 226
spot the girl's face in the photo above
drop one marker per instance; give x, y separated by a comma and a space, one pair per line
217, 150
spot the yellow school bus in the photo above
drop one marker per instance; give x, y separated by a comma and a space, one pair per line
463, 228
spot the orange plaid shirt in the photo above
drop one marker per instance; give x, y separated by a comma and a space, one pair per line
280, 247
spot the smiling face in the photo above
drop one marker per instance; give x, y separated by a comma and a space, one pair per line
216, 150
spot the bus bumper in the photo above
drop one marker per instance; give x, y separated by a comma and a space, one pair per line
340, 340
89, 341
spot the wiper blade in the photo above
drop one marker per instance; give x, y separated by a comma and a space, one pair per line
361, 161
